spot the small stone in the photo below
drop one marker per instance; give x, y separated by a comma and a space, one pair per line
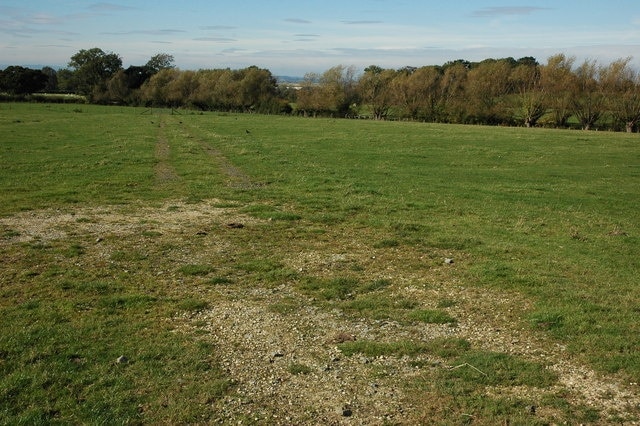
122, 359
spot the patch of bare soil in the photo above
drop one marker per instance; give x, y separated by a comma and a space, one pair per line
285, 363
172, 218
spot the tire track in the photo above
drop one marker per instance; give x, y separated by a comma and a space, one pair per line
235, 177
163, 170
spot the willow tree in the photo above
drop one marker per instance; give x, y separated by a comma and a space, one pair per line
621, 85
558, 82
531, 96
451, 99
487, 86
376, 91
418, 93
588, 102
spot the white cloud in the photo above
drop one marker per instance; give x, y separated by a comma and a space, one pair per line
216, 39
361, 22
491, 12
166, 31
108, 7
297, 21
218, 28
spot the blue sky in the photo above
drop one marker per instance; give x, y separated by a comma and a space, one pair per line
296, 37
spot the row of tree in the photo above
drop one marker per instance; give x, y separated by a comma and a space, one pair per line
89, 74
100, 77
494, 91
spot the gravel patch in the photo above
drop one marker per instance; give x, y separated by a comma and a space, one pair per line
286, 367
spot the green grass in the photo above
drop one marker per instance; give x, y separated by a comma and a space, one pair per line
298, 368
60, 364
548, 214
196, 270
377, 349
498, 369
432, 316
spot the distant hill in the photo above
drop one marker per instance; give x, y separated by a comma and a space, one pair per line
288, 79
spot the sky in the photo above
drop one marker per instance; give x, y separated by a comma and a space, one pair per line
297, 37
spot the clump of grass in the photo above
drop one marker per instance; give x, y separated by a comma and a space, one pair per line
38, 245
259, 265
196, 270
296, 368
220, 281
452, 242
74, 250
10, 233
499, 369
379, 306
92, 287
287, 216
191, 304
192, 199
446, 303
30, 305
448, 347
547, 320
431, 316
115, 304
331, 289
267, 212
378, 284
408, 229
343, 288
264, 269
30, 273
386, 243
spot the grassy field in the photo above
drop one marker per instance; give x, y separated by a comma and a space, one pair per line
106, 214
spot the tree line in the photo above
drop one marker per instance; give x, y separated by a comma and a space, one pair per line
506, 91
494, 91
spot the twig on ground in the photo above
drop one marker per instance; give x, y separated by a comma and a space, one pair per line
466, 364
